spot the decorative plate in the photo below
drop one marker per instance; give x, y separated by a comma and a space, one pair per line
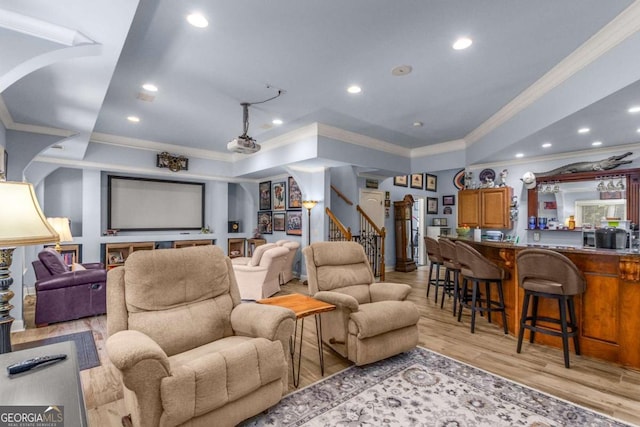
458, 180
487, 173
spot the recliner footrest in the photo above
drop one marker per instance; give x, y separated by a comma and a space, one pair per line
379, 317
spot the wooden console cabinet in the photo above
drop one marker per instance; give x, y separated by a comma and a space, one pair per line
235, 247
117, 253
485, 207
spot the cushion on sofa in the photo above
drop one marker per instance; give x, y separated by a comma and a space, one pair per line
53, 261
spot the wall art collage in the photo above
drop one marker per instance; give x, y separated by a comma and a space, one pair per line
280, 204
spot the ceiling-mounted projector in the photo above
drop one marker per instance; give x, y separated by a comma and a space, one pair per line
243, 144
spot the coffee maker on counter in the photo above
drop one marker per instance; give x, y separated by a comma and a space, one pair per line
613, 234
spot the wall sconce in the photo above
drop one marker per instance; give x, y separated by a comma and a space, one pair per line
174, 163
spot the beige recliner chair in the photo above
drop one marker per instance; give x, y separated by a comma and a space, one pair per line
372, 320
287, 270
262, 280
188, 351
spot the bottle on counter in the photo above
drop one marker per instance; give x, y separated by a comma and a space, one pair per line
572, 222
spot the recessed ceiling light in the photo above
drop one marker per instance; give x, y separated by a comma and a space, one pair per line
634, 109
418, 124
584, 130
596, 143
462, 43
638, 130
133, 119
277, 121
197, 20
150, 87
354, 89
546, 145
519, 155
401, 70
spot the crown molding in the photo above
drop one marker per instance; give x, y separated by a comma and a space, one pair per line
144, 144
616, 31
361, 140
73, 163
9, 124
41, 29
610, 151
440, 148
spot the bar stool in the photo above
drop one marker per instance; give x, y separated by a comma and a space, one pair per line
435, 259
452, 267
548, 274
476, 268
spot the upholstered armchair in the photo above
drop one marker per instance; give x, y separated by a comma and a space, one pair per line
189, 352
262, 280
372, 321
64, 294
287, 269
255, 258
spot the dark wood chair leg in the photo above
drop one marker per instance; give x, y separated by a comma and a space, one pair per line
523, 319
563, 328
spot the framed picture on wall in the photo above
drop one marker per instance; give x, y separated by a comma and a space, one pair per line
279, 195
416, 180
295, 195
265, 223
264, 190
448, 200
400, 180
432, 205
432, 183
279, 221
294, 223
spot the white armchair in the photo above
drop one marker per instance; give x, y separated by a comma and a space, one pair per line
287, 268
254, 259
263, 280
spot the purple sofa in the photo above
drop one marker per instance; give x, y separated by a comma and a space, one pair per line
62, 294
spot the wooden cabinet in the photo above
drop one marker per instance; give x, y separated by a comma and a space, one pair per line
469, 208
485, 207
189, 243
403, 227
235, 247
117, 253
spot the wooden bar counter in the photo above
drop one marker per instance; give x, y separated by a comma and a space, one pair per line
608, 312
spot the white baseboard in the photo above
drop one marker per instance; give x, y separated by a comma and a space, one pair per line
17, 325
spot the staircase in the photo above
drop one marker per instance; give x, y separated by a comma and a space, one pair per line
371, 238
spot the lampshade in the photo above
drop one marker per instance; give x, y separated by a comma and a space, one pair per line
61, 225
309, 204
21, 220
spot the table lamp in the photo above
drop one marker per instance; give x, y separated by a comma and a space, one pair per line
61, 225
21, 224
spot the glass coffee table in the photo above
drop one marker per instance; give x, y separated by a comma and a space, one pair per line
303, 306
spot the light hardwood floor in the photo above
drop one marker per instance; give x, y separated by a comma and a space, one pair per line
601, 386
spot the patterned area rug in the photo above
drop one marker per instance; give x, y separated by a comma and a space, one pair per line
85, 347
423, 388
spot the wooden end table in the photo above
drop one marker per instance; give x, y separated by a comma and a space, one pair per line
302, 306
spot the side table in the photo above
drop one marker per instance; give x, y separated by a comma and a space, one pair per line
56, 385
302, 306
